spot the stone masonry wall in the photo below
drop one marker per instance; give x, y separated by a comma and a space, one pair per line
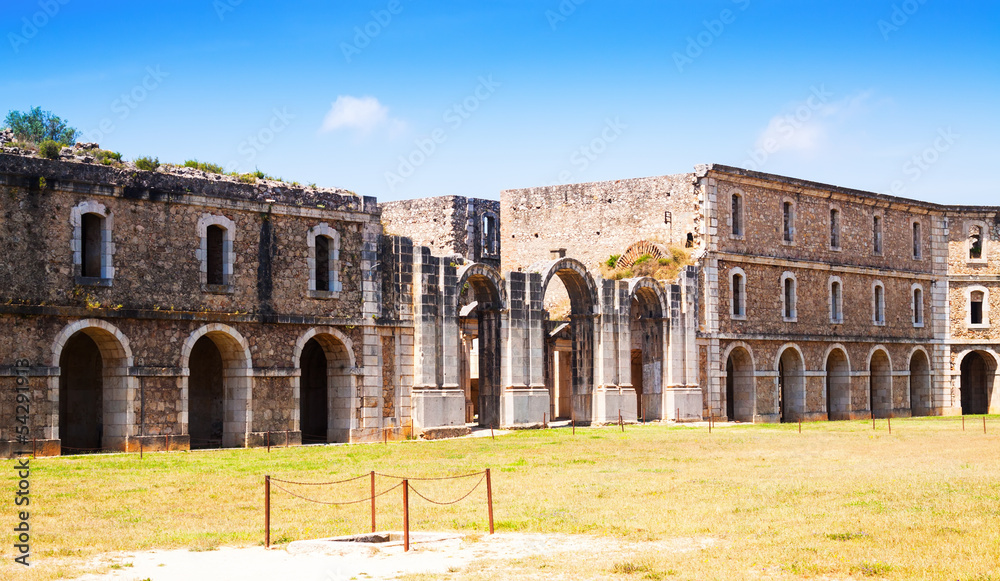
592, 221
446, 224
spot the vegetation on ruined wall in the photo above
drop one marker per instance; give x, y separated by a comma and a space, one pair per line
647, 265
147, 163
37, 126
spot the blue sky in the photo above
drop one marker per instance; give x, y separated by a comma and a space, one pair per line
403, 99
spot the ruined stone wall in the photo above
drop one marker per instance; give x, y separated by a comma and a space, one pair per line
155, 237
593, 221
447, 225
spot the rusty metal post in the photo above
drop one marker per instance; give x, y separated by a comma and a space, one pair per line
984, 424
385, 438
677, 418
873, 418
269, 441
406, 515
709, 422
492, 435
574, 426
34, 447
489, 497
140, 449
373, 501
889, 422
620, 423
800, 425
267, 512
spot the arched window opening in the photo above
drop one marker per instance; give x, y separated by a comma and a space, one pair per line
975, 242
918, 307
739, 298
789, 299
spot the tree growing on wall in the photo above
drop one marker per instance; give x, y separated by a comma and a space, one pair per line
37, 126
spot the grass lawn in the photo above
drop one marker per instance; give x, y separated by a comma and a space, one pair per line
837, 501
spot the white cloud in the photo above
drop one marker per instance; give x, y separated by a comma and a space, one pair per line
364, 115
808, 126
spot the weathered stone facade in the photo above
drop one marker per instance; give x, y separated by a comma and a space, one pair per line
180, 311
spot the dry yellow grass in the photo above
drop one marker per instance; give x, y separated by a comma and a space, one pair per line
838, 501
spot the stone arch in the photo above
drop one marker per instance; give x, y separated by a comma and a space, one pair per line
480, 340
582, 291
978, 369
578, 282
237, 383
879, 382
920, 392
790, 384
325, 399
648, 312
116, 390
741, 390
838, 382
641, 248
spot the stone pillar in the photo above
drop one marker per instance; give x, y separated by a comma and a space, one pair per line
524, 397
613, 391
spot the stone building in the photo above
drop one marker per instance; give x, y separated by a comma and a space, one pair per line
179, 310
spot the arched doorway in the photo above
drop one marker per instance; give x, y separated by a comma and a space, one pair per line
646, 332
206, 394
326, 395
880, 385
569, 296
481, 300
314, 412
978, 371
838, 386
920, 384
95, 395
218, 388
81, 389
791, 385
740, 381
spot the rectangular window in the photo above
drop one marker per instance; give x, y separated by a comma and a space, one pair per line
879, 305
216, 237
738, 295
789, 298
917, 251
835, 303
834, 228
322, 263
918, 307
91, 235
788, 214
976, 308
737, 215
877, 234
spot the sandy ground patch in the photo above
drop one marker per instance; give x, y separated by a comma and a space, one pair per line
314, 563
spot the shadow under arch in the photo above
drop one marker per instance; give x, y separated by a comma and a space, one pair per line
217, 387
480, 303
96, 396
325, 389
648, 313
582, 328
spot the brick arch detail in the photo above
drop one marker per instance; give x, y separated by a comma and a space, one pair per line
638, 249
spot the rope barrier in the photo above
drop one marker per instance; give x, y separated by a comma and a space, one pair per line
365, 499
273, 479
464, 496
429, 479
